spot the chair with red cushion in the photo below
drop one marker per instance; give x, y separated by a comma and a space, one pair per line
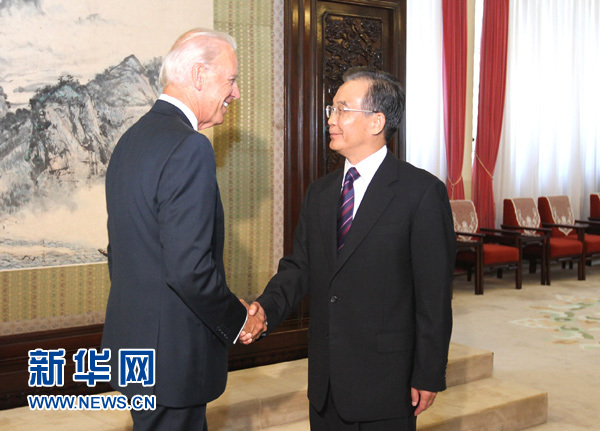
557, 214
478, 249
594, 217
522, 214
595, 206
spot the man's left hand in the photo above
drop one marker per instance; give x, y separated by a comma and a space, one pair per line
422, 400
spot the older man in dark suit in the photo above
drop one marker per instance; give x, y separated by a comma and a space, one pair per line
166, 234
375, 248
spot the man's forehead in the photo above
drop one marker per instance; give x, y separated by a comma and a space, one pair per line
351, 91
227, 61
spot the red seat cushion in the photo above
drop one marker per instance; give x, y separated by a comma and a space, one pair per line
564, 247
492, 253
497, 253
592, 243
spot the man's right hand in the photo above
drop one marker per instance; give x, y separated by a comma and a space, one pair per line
255, 325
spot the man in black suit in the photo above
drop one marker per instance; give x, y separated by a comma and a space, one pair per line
375, 248
166, 234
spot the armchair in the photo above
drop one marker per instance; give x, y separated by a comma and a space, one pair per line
595, 206
556, 213
478, 248
538, 244
594, 218
521, 215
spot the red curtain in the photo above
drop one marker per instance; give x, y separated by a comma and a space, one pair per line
455, 91
492, 85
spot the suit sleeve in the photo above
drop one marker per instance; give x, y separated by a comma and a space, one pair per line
433, 249
287, 288
187, 202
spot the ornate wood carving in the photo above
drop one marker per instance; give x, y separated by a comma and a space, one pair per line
348, 41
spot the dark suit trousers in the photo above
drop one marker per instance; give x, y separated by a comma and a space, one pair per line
329, 420
170, 419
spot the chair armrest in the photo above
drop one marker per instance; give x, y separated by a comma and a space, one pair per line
566, 226
591, 222
543, 230
504, 237
477, 237
499, 231
579, 228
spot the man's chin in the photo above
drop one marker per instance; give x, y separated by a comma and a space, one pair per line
334, 146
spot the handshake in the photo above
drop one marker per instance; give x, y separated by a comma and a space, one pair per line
256, 324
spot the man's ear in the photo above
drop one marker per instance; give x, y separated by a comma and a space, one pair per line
377, 123
198, 75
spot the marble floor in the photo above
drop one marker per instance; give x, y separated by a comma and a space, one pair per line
543, 337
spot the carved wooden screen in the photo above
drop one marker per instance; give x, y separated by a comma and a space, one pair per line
350, 36
323, 40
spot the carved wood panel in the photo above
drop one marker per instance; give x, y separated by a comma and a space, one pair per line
324, 38
347, 41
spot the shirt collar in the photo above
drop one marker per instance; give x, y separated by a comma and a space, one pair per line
184, 108
367, 167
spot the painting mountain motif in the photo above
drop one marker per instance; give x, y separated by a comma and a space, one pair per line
53, 159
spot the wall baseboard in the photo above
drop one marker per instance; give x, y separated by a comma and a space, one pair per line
288, 343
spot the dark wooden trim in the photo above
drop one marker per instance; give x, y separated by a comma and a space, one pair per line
288, 343
14, 358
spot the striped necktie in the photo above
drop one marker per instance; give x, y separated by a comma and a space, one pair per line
346, 208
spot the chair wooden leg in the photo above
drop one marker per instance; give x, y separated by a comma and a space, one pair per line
581, 268
546, 263
519, 277
543, 271
499, 273
479, 284
532, 266
479, 272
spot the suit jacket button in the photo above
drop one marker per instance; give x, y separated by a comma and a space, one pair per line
333, 299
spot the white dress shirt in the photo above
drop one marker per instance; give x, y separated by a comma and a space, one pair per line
366, 168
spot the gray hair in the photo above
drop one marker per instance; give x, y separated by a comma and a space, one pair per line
385, 95
194, 46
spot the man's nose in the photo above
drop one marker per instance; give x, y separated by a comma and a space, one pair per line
236, 91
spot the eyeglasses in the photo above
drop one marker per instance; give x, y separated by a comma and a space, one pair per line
339, 111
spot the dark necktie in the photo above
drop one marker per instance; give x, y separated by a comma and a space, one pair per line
346, 207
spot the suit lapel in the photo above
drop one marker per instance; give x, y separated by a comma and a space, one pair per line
374, 202
328, 205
